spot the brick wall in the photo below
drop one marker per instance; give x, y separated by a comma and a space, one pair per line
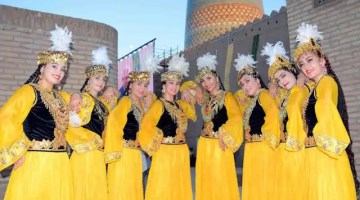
24, 33
339, 20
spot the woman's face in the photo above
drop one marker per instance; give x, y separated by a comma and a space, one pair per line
210, 82
285, 79
97, 82
250, 85
312, 65
53, 73
171, 87
139, 88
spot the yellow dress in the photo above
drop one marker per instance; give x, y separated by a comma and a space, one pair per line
33, 124
290, 154
162, 136
262, 136
122, 151
87, 159
215, 168
327, 163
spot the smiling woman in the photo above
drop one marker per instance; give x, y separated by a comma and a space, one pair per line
33, 126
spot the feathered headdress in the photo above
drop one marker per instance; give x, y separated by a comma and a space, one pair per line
178, 67
245, 64
277, 58
100, 63
60, 48
206, 65
308, 39
148, 65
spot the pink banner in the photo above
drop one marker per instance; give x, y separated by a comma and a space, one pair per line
126, 65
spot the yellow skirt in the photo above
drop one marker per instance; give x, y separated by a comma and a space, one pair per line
329, 178
169, 176
89, 175
125, 176
43, 175
289, 174
215, 172
258, 172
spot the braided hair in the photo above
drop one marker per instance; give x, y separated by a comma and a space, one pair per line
34, 78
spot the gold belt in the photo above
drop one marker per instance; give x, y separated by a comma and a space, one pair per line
283, 137
178, 139
210, 134
254, 138
310, 142
132, 144
45, 145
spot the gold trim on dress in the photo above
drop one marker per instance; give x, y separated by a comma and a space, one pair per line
292, 144
208, 131
178, 139
10, 154
283, 137
330, 144
310, 142
254, 137
132, 144
45, 145
111, 157
95, 143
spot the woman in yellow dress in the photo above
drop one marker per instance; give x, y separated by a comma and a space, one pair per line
262, 133
162, 136
122, 148
327, 162
290, 154
32, 129
220, 138
86, 133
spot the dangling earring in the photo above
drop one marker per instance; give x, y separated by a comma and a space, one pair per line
87, 88
59, 86
163, 90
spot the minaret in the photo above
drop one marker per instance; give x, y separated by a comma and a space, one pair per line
207, 19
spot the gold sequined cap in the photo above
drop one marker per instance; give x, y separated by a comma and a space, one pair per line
311, 46
52, 57
247, 71
171, 76
142, 76
94, 70
308, 38
202, 72
278, 64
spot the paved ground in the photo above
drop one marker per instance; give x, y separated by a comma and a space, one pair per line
4, 181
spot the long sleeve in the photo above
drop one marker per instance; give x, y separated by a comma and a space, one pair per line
232, 130
188, 108
295, 124
271, 127
149, 135
242, 100
13, 142
115, 130
330, 133
81, 139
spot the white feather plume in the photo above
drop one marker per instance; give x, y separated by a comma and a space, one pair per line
207, 60
150, 64
307, 31
100, 57
244, 61
274, 51
61, 39
179, 64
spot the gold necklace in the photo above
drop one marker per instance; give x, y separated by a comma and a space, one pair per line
212, 105
57, 108
176, 114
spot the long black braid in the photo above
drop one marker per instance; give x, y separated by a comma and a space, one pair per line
342, 108
34, 78
84, 85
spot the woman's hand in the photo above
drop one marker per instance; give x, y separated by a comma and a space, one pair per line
187, 96
199, 95
222, 144
273, 89
148, 99
75, 102
109, 94
19, 162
